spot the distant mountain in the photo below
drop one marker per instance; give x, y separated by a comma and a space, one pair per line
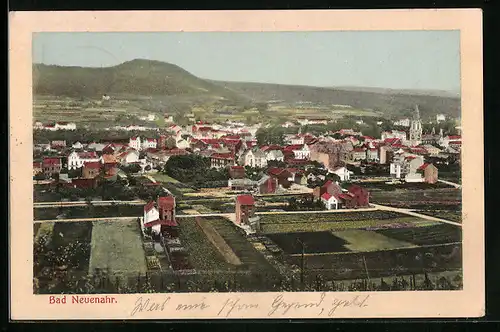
390, 102
165, 83
137, 77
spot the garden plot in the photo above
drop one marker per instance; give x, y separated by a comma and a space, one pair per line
117, 246
202, 253
363, 240
314, 242
331, 217
430, 235
316, 226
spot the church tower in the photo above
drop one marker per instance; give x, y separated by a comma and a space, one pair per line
416, 128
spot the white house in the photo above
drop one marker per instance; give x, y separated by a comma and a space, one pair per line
135, 142
77, 145
182, 144
330, 201
149, 143
343, 173
77, 159
151, 214
295, 140
168, 118
65, 126
394, 134
440, 118
402, 122
303, 153
274, 155
372, 154
129, 157
450, 139
254, 158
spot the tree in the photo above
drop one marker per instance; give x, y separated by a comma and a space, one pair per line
271, 135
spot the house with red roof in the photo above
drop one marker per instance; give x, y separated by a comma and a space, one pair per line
331, 201
429, 173
401, 135
282, 175
328, 187
159, 213
76, 159
91, 169
245, 212
450, 140
361, 196
267, 185
357, 154
222, 160
237, 172
51, 165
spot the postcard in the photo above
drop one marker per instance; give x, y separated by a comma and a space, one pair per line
246, 164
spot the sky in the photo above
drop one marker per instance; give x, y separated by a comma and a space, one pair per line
425, 60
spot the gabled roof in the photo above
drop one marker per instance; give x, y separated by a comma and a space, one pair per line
93, 165
294, 147
456, 137
166, 202
148, 207
245, 199
424, 166
87, 155
327, 196
108, 159
51, 161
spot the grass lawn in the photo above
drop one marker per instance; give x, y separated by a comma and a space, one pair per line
118, 246
313, 226
363, 240
160, 177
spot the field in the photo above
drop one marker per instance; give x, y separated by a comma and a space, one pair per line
430, 235
117, 246
451, 215
313, 226
364, 240
235, 238
202, 253
419, 199
383, 263
160, 177
330, 217
75, 212
314, 242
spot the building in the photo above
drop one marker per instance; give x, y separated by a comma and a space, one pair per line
51, 166
372, 154
386, 154
245, 211
416, 129
300, 151
37, 167
331, 202
343, 173
402, 123
148, 143
328, 187
55, 145
254, 158
161, 212
358, 154
77, 146
127, 157
237, 172
361, 196
450, 140
240, 184
77, 159
91, 170
267, 185
135, 143
282, 175
440, 118
274, 154
221, 160
65, 126
429, 172
393, 134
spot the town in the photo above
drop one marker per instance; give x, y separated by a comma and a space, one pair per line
198, 205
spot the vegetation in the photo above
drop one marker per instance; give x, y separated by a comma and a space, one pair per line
435, 234
196, 171
270, 135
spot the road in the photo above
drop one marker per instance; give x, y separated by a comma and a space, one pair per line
456, 185
415, 214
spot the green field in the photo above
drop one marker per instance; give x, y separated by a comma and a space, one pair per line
117, 246
202, 253
363, 240
312, 226
160, 177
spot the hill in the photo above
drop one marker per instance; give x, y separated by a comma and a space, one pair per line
159, 84
390, 102
136, 78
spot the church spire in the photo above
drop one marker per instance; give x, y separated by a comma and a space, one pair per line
417, 113
433, 131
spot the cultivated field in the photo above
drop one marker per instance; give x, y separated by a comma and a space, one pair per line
430, 235
117, 247
202, 253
